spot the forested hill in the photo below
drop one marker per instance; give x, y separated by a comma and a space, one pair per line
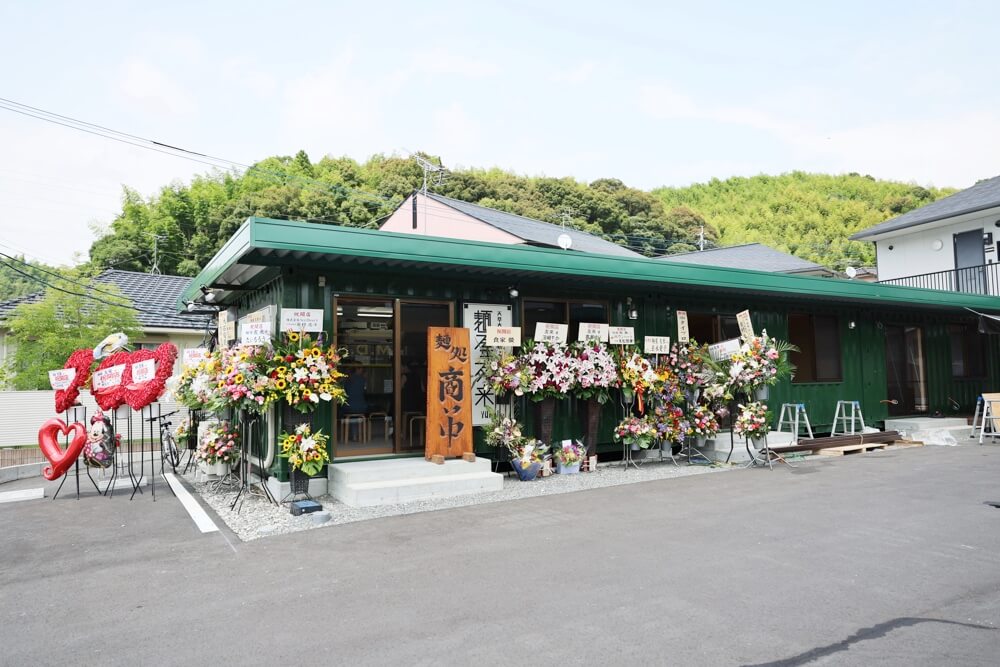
809, 215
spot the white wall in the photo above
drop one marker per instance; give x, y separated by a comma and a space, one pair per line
913, 254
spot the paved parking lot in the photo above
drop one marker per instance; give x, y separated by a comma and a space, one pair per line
883, 558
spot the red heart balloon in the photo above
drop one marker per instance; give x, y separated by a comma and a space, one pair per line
48, 442
111, 397
80, 360
140, 394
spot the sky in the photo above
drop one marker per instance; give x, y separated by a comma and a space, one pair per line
655, 93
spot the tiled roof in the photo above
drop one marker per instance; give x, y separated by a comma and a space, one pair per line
981, 196
155, 294
534, 231
756, 256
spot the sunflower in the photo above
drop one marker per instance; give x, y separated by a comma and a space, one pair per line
306, 393
316, 352
293, 337
239, 378
281, 370
280, 384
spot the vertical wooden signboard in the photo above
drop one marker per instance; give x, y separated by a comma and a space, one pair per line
449, 394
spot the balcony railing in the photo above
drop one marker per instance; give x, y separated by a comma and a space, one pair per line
984, 279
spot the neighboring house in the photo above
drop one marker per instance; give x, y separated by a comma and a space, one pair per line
434, 215
151, 292
950, 244
756, 256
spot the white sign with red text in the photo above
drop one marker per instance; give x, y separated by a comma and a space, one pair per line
108, 377
302, 319
62, 378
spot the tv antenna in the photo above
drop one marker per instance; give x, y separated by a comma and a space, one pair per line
438, 171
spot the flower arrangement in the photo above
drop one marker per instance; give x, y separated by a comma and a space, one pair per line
596, 371
760, 361
220, 445
570, 453
303, 374
183, 429
508, 374
670, 422
531, 451
690, 364
703, 422
504, 432
305, 450
550, 369
195, 388
639, 378
752, 420
638, 431
241, 379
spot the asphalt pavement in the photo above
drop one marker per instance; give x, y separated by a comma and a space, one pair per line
889, 558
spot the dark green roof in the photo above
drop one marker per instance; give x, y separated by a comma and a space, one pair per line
261, 243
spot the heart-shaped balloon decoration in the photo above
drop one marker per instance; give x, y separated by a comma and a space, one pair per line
140, 394
48, 442
80, 361
110, 398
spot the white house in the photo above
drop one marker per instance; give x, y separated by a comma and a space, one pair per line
950, 244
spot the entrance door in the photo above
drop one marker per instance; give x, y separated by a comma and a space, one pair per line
905, 370
386, 368
970, 259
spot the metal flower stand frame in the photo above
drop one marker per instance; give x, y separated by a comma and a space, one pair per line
77, 413
249, 431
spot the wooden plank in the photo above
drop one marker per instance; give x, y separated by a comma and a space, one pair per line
817, 444
851, 449
449, 393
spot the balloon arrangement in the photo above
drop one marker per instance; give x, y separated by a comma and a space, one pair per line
134, 378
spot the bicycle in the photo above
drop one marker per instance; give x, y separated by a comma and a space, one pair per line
168, 445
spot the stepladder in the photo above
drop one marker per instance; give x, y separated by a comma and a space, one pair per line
795, 415
848, 416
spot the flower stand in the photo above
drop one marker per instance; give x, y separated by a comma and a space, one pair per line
299, 485
545, 416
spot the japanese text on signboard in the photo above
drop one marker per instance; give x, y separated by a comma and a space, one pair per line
449, 398
480, 319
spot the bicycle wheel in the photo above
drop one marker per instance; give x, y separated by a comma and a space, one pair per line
169, 451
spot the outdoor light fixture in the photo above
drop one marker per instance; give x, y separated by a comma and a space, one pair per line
512, 291
190, 305
207, 294
633, 312
851, 324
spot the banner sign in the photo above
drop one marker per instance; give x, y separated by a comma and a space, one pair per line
227, 328
503, 336
724, 350
194, 356
257, 327
62, 378
108, 377
656, 345
547, 332
302, 319
144, 371
683, 333
480, 319
746, 326
449, 392
593, 331
621, 335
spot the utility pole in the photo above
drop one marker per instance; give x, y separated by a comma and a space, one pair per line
701, 238
155, 269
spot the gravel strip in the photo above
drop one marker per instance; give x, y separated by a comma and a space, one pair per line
258, 518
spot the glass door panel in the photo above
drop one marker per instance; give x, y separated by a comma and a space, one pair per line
905, 370
365, 424
414, 319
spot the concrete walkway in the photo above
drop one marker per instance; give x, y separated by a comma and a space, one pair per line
882, 558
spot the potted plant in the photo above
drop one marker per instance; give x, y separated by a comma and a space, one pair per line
568, 457
306, 453
703, 424
752, 422
218, 449
528, 460
636, 432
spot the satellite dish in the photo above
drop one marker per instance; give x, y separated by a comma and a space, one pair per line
851, 272
565, 241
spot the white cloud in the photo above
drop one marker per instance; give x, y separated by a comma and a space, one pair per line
664, 102
249, 75
580, 73
441, 61
153, 90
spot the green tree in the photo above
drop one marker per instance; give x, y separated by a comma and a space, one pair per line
47, 332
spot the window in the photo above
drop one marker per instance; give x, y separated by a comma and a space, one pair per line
712, 328
967, 351
561, 312
818, 340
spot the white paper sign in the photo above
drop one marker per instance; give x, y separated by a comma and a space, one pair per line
143, 371
621, 335
479, 319
194, 356
724, 350
109, 377
746, 326
503, 336
255, 333
683, 333
593, 331
62, 378
302, 319
547, 332
656, 345
227, 328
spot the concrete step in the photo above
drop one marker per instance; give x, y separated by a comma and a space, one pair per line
410, 468
368, 494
